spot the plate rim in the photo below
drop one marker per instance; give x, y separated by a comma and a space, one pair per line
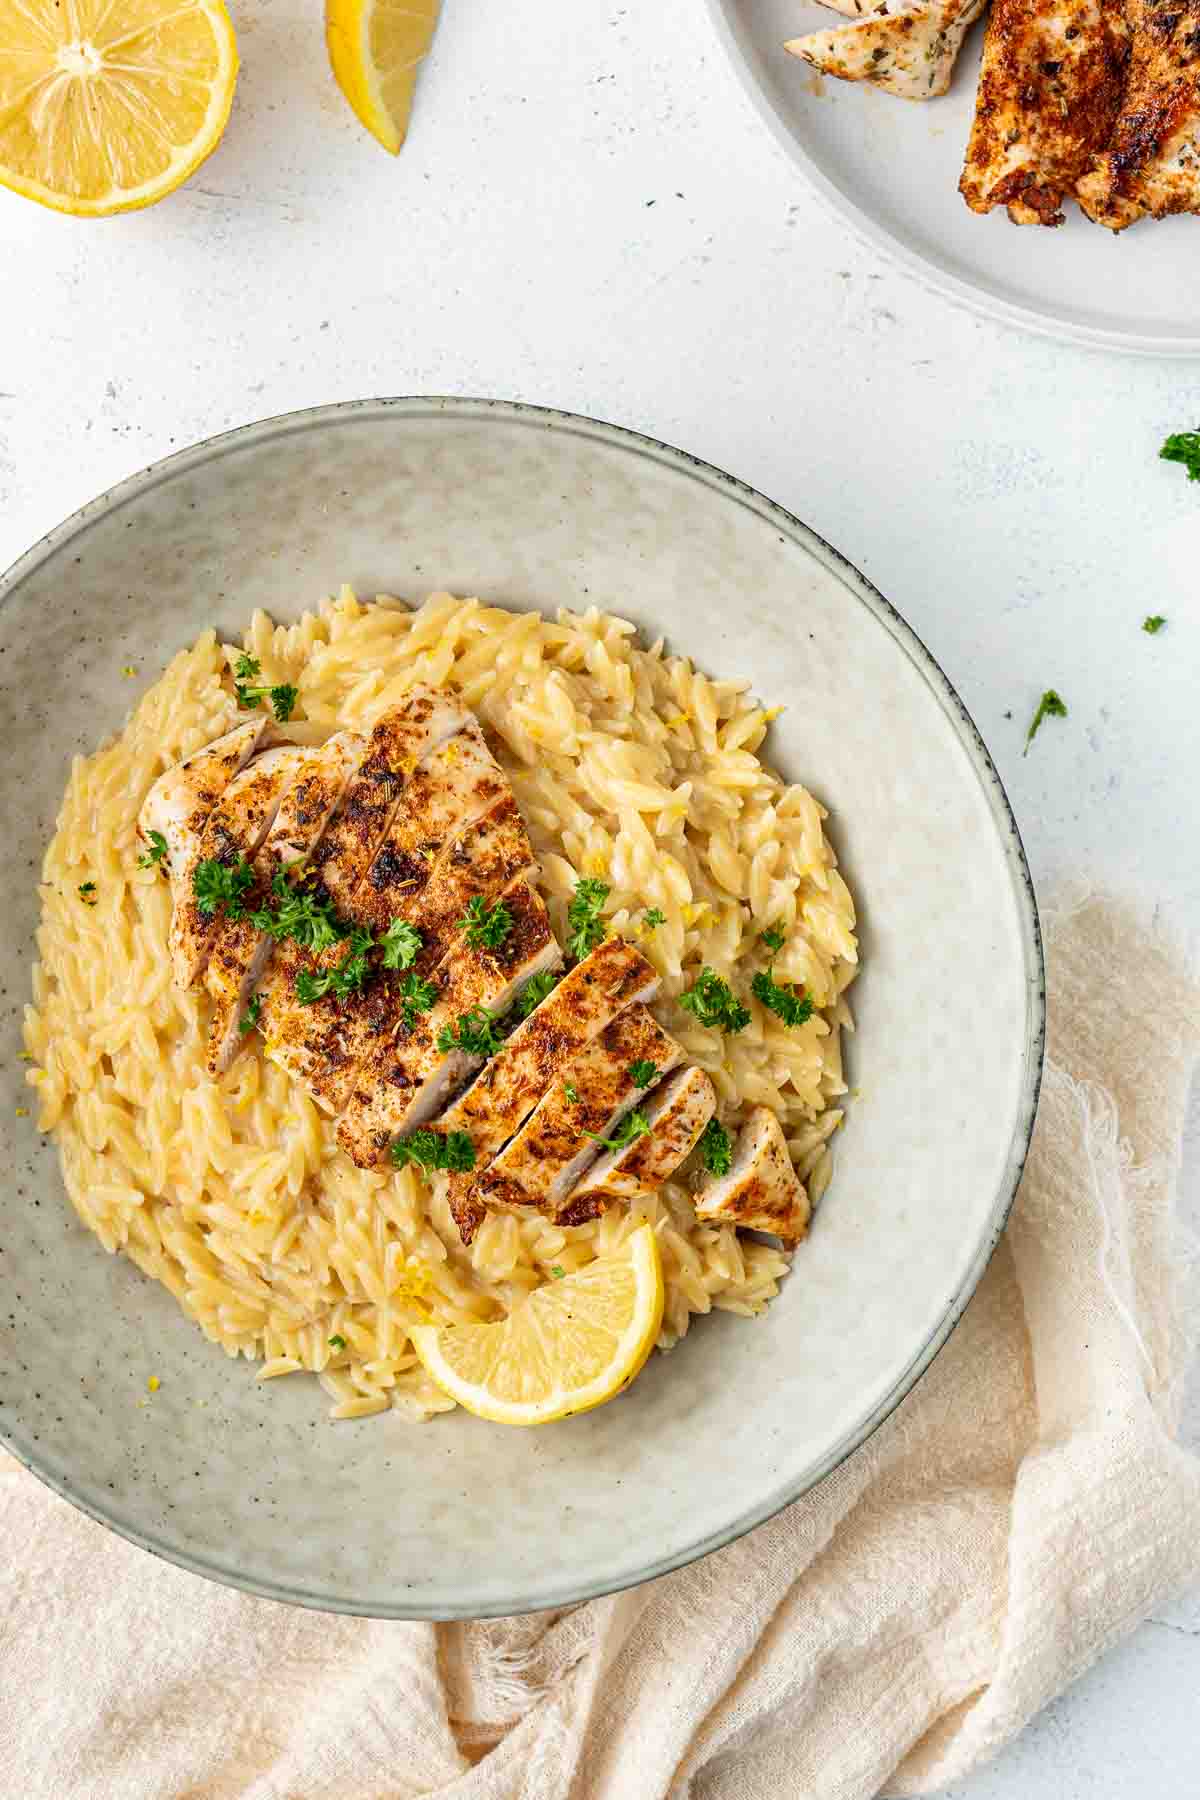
920, 269
566, 1593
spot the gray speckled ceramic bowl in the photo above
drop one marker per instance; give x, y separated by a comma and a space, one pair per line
460, 1518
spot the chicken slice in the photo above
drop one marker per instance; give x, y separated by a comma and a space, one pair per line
455, 784
403, 736
910, 50
323, 1042
677, 1111
762, 1191
240, 953
1151, 164
179, 803
1049, 91
236, 827
406, 1079
549, 1154
585, 1003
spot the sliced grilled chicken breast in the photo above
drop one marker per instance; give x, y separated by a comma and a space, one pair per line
1049, 90
1151, 165
240, 952
482, 862
407, 1079
910, 50
179, 803
549, 1154
585, 1003
677, 1111
236, 827
762, 1191
453, 787
403, 736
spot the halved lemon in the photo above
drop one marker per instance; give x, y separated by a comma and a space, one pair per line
375, 48
107, 105
568, 1347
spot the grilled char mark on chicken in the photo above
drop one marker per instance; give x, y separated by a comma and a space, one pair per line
1049, 91
240, 951
762, 1191
402, 737
540, 1166
181, 800
677, 1110
908, 49
236, 828
584, 1004
406, 1079
1151, 164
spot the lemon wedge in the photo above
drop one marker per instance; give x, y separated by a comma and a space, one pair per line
568, 1347
107, 105
375, 48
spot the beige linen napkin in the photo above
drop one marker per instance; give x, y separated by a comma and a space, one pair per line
1024, 1508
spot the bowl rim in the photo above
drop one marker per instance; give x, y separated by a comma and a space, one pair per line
637, 443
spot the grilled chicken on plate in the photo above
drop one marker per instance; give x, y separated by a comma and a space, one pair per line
370, 906
1151, 165
1049, 91
908, 49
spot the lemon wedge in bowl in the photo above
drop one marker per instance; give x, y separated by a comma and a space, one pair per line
107, 105
568, 1347
375, 49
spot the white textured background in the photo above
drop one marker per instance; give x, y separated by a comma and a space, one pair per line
588, 214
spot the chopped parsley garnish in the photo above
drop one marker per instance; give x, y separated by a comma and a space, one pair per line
716, 1148
535, 991
156, 852
313, 924
1153, 624
217, 884
337, 1341
773, 937
474, 1032
87, 893
583, 916
349, 977
435, 1150
571, 1092
401, 944
1184, 447
1050, 706
652, 918
249, 1018
416, 997
557, 1270
634, 1125
642, 1073
484, 926
283, 697
792, 1006
713, 1003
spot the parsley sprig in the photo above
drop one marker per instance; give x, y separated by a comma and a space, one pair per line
249, 1018
401, 945
156, 852
473, 1032
311, 923
87, 892
634, 1125
716, 1148
642, 1073
434, 1150
652, 918
536, 989
793, 1005
217, 884
712, 1001
1153, 624
1050, 706
416, 997
583, 916
1184, 447
485, 927
346, 978
283, 697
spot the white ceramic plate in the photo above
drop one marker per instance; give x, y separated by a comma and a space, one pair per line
890, 167
251, 1484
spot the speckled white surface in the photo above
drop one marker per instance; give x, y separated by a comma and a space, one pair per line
1003, 491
